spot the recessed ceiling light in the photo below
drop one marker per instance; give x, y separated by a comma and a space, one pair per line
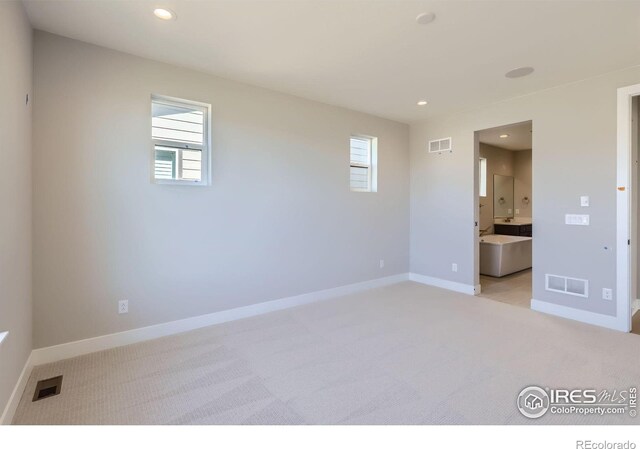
519, 72
425, 17
164, 14
422, 102
504, 136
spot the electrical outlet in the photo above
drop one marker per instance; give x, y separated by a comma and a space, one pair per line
454, 267
607, 294
584, 201
381, 263
123, 306
517, 211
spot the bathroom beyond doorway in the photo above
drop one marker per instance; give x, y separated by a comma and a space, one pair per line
505, 218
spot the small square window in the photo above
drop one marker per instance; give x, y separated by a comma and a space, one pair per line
363, 166
180, 134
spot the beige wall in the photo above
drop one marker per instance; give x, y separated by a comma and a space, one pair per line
522, 170
574, 154
499, 162
278, 220
15, 194
506, 163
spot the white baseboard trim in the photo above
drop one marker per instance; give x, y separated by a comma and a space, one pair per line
89, 345
583, 316
16, 394
442, 283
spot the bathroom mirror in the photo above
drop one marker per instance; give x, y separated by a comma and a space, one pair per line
502, 196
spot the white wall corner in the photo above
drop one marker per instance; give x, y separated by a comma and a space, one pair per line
584, 316
16, 394
76, 348
443, 283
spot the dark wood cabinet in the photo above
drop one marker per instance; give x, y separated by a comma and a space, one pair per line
522, 230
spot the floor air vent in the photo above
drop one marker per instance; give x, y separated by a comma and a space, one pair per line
567, 285
47, 388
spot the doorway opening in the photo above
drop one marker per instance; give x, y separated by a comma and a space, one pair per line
504, 213
628, 207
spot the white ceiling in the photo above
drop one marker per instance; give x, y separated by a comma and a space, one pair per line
369, 56
519, 136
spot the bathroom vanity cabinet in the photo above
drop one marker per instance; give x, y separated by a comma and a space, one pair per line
519, 229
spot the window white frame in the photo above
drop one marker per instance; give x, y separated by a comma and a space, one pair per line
482, 167
372, 166
205, 148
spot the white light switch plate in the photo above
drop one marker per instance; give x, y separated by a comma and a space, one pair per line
584, 201
576, 219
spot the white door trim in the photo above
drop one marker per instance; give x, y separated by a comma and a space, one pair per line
623, 206
476, 211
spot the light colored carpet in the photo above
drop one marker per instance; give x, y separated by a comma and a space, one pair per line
402, 354
514, 289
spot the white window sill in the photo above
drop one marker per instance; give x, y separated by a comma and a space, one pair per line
177, 182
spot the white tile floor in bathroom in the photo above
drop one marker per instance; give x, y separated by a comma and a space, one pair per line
514, 289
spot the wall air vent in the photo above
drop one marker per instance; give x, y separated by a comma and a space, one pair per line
567, 285
47, 388
440, 145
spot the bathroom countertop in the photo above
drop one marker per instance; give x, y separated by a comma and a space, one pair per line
513, 222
